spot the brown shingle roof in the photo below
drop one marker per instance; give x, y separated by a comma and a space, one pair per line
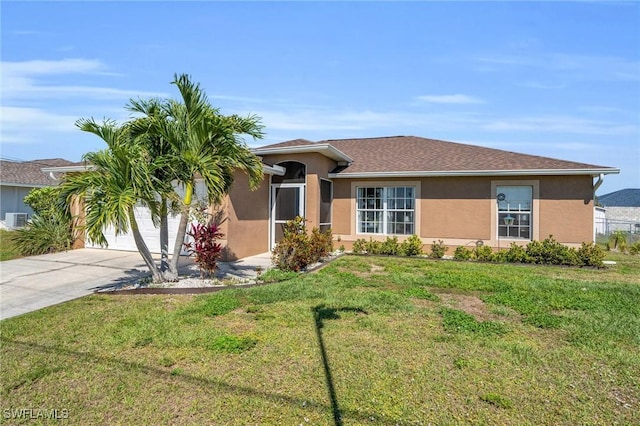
29, 172
294, 142
415, 154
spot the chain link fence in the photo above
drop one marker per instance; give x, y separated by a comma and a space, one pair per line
606, 227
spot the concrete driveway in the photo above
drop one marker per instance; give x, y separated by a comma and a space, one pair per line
35, 282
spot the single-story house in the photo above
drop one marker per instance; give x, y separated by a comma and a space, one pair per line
622, 210
17, 178
403, 185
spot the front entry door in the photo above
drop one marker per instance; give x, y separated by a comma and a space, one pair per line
287, 202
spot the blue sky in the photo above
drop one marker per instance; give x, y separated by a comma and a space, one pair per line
546, 78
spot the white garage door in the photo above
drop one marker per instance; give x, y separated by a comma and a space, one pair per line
149, 232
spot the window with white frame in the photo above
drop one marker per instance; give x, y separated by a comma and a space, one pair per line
386, 210
514, 211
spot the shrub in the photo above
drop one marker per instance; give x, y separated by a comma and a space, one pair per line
551, 252
412, 246
207, 251
438, 249
618, 241
50, 229
500, 256
462, 253
516, 254
43, 235
390, 246
590, 254
483, 254
321, 244
373, 247
359, 246
293, 252
44, 201
635, 248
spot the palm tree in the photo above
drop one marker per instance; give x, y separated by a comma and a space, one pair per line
170, 142
120, 179
146, 131
198, 141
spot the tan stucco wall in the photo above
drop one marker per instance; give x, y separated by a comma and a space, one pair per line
566, 208
461, 210
246, 227
455, 208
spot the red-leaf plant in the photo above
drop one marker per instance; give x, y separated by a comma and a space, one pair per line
204, 246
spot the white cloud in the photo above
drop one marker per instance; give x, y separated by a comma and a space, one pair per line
37, 105
19, 81
578, 67
560, 124
450, 99
28, 125
63, 66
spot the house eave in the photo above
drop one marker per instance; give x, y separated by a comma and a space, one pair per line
323, 149
26, 185
67, 169
458, 173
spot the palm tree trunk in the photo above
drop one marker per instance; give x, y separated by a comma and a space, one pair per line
164, 236
182, 228
143, 249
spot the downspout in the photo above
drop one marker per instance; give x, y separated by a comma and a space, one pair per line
595, 188
597, 184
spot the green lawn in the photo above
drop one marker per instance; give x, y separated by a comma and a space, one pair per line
7, 249
366, 340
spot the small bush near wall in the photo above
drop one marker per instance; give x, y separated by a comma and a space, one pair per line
591, 254
391, 246
412, 246
462, 253
298, 249
547, 252
484, 254
359, 246
438, 249
373, 247
204, 246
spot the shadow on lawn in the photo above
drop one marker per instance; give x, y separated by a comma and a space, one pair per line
320, 314
116, 362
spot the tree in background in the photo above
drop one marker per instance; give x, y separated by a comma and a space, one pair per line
50, 227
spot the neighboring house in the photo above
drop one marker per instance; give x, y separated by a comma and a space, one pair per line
622, 210
18, 178
404, 185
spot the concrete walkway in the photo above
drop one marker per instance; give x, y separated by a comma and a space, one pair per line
35, 282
